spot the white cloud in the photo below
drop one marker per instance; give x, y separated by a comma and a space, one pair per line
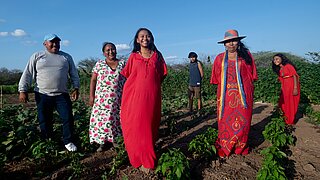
171, 57
4, 33
65, 42
122, 47
18, 32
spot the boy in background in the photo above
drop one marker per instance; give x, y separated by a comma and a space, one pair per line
195, 78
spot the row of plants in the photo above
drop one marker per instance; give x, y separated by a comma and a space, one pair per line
9, 89
275, 157
173, 164
312, 114
20, 140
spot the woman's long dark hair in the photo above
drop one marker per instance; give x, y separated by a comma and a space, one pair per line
136, 46
243, 52
284, 61
152, 46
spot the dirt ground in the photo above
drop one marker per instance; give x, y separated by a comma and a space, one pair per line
305, 158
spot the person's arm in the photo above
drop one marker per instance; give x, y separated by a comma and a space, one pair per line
74, 76
126, 71
165, 70
295, 85
26, 79
93, 83
291, 72
200, 69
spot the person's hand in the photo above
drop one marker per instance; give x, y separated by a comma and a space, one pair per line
91, 101
295, 91
74, 95
23, 97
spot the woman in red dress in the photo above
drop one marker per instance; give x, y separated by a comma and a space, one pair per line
141, 100
290, 86
234, 72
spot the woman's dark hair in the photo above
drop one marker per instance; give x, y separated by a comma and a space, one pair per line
108, 43
152, 46
284, 61
243, 52
136, 46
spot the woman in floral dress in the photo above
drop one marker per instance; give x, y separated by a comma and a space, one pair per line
105, 97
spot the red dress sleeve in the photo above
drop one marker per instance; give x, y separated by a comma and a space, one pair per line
290, 71
126, 71
164, 68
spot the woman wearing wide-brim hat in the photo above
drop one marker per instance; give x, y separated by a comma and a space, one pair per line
234, 72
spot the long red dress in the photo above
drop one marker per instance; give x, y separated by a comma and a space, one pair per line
234, 125
141, 107
288, 102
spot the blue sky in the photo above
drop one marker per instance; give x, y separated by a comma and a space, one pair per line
179, 26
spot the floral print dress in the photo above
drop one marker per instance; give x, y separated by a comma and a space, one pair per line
105, 116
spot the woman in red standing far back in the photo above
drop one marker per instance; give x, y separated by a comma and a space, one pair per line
290, 86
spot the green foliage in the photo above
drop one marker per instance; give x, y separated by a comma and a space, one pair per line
75, 164
267, 88
313, 116
10, 89
120, 158
308, 81
17, 131
81, 113
203, 144
9, 77
175, 96
275, 159
175, 87
174, 165
272, 168
44, 149
276, 133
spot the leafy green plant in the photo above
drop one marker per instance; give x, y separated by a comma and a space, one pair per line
44, 149
75, 164
272, 168
313, 116
17, 131
276, 133
173, 165
275, 159
120, 158
81, 113
203, 144
45, 154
